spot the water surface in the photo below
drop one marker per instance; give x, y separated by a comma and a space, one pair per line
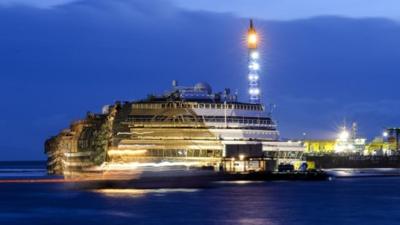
341, 201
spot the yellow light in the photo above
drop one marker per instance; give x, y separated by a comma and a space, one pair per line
127, 152
241, 157
252, 39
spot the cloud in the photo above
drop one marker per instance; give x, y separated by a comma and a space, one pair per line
295, 9
385, 108
35, 3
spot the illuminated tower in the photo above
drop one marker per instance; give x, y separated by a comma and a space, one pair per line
254, 66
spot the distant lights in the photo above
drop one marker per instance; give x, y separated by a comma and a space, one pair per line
385, 134
344, 135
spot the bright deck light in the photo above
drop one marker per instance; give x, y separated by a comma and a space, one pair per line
255, 66
254, 91
253, 77
254, 55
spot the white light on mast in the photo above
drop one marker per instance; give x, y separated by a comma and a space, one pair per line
254, 66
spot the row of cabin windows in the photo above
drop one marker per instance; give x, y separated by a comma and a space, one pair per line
198, 106
245, 120
283, 154
183, 153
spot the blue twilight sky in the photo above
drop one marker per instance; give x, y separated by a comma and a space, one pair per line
323, 62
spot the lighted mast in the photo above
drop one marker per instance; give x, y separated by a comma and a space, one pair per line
254, 66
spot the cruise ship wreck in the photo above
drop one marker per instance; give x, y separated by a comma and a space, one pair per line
186, 127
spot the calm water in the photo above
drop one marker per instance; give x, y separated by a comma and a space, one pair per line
341, 201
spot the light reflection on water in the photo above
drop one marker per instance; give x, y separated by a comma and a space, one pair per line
366, 201
240, 182
140, 192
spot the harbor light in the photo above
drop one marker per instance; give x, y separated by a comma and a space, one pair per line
344, 135
385, 134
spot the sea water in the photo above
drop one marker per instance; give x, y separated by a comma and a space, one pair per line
339, 201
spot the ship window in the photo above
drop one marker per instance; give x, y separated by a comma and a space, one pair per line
203, 153
218, 106
212, 106
217, 153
